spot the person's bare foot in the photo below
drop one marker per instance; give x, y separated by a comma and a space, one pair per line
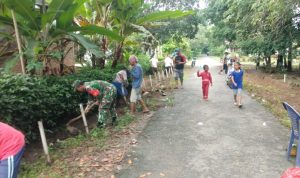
146, 110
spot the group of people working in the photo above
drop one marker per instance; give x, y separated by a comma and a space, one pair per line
105, 93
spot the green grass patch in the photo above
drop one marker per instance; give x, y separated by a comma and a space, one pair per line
124, 121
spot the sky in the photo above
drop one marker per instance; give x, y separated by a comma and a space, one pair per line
202, 4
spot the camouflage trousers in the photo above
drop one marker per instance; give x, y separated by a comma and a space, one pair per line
107, 107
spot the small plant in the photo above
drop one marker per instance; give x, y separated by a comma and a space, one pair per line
124, 121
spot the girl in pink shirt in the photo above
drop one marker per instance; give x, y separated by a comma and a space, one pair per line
206, 80
12, 145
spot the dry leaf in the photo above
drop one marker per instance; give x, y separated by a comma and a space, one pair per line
162, 175
143, 175
112, 176
104, 160
149, 173
129, 161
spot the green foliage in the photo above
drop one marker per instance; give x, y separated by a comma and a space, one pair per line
177, 42
26, 100
124, 121
144, 61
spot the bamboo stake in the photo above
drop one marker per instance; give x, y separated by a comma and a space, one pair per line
167, 73
84, 118
144, 83
18, 41
163, 75
158, 73
150, 77
44, 141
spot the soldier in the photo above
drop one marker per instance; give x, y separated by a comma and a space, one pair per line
104, 93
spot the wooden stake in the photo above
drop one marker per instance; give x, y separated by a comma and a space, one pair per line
44, 141
18, 41
163, 74
284, 78
167, 73
150, 77
144, 83
84, 118
158, 73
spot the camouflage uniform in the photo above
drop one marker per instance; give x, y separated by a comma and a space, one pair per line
106, 94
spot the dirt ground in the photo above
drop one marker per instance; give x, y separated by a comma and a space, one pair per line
271, 90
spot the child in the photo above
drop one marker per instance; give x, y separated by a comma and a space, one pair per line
206, 80
237, 84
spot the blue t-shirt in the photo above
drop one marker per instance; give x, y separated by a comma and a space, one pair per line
137, 76
238, 78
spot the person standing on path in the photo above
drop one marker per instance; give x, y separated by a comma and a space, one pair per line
226, 60
137, 79
237, 84
102, 92
12, 146
206, 81
179, 62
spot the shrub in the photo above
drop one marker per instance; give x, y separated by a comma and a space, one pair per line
25, 99
144, 61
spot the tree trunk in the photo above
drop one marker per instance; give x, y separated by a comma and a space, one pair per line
104, 49
285, 62
268, 61
290, 59
118, 55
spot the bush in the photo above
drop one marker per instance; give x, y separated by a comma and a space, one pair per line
24, 99
144, 61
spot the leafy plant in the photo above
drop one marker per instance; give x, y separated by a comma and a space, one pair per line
26, 100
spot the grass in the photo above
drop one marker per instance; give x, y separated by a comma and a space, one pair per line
272, 106
59, 151
124, 121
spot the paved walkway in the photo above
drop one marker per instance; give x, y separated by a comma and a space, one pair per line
197, 138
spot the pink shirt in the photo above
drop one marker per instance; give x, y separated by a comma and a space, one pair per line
206, 76
11, 141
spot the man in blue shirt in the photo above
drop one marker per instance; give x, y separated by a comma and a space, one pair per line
137, 79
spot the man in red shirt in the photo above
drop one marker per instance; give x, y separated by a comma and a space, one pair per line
12, 144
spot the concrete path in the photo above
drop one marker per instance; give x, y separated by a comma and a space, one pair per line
197, 138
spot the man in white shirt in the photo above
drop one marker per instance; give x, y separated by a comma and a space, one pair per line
154, 63
168, 63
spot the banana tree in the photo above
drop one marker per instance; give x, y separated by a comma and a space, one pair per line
43, 33
129, 18
98, 12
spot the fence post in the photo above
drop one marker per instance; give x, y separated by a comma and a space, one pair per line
150, 77
44, 141
144, 83
84, 118
158, 73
